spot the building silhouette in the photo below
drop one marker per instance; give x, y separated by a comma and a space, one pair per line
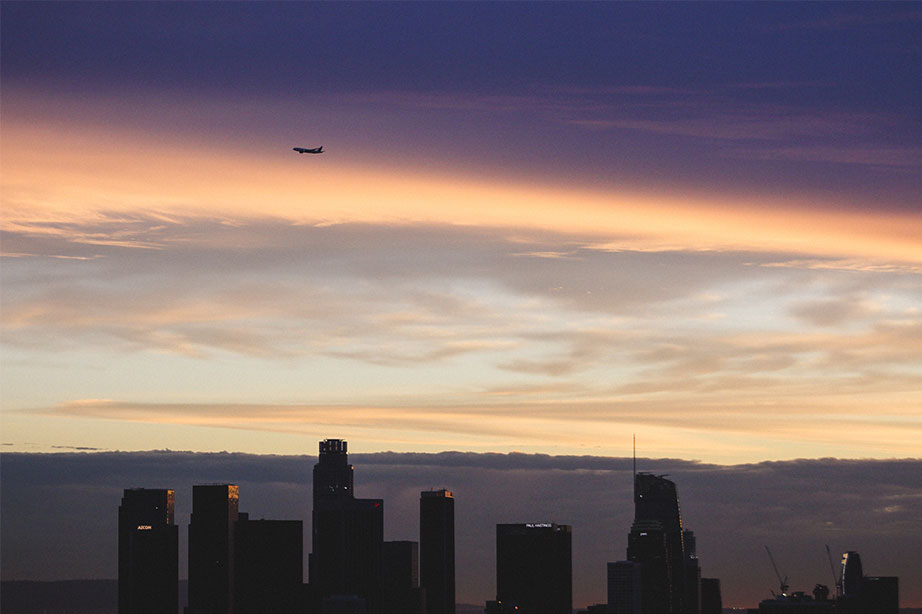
348, 533
211, 549
711, 601
657, 542
881, 594
534, 568
148, 553
624, 588
857, 594
400, 576
437, 550
268, 565
333, 475
852, 575
648, 547
691, 581
861, 594
797, 603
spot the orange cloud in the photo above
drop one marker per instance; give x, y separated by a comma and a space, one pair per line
53, 175
720, 431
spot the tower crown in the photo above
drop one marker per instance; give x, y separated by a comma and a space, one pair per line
333, 446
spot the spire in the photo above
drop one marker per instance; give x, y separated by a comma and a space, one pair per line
635, 458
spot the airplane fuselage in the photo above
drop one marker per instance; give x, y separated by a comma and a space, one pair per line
316, 150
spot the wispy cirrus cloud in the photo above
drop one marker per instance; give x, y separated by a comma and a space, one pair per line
272, 289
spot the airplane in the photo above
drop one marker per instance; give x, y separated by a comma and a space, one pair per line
302, 150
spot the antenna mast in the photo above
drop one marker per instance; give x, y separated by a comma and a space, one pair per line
635, 457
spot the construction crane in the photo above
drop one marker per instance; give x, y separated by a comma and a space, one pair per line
783, 583
832, 568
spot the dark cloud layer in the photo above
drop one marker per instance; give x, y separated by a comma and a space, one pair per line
700, 95
451, 47
59, 510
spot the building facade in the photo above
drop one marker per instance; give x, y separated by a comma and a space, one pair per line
348, 533
211, 549
148, 553
437, 550
534, 568
624, 588
402, 592
711, 601
657, 542
268, 565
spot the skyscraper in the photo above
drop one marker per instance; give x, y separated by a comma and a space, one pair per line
861, 594
624, 588
852, 574
348, 533
657, 534
711, 602
269, 565
211, 549
437, 550
401, 591
692, 574
401, 564
534, 567
333, 474
148, 553
648, 547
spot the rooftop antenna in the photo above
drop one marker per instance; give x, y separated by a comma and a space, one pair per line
635, 457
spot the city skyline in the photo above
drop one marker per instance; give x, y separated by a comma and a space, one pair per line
534, 228
798, 507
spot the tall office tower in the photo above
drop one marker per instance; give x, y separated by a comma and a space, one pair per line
401, 591
692, 572
333, 474
711, 602
148, 553
648, 546
437, 550
269, 565
624, 588
852, 574
656, 500
401, 564
534, 567
348, 533
211, 549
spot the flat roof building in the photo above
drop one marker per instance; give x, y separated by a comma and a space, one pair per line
437, 550
148, 553
211, 548
534, 567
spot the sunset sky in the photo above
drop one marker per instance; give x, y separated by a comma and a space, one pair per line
537, 227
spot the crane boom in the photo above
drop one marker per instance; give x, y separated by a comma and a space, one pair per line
783, 583
832, 568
